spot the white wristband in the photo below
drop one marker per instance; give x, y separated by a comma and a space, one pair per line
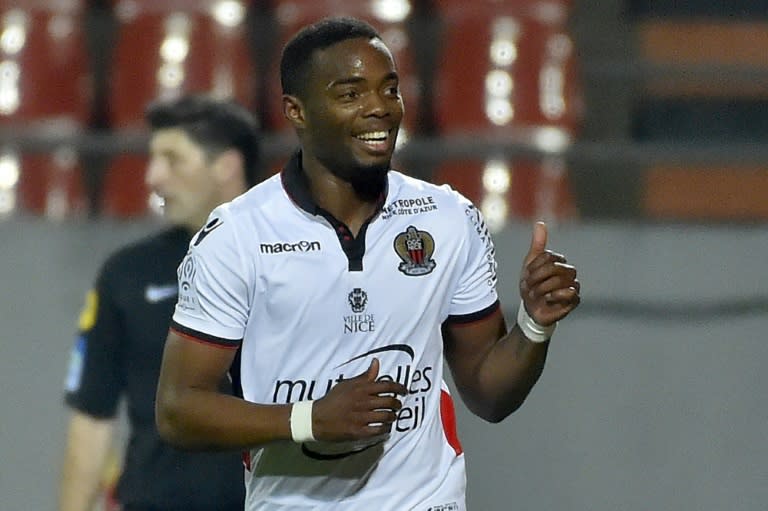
532, 330
301, 422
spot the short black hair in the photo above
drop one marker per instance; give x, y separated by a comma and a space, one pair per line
297, 53
214, 124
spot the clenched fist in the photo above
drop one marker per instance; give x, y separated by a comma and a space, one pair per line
358, 408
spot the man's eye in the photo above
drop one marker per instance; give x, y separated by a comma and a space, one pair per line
350, 94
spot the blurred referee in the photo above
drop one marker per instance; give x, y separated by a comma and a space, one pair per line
203, 152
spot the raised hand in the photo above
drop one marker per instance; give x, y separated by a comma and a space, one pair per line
357, 408
548, 285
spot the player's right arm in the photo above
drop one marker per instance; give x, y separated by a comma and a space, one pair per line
89, 440
190, 410
192, 413
216, 291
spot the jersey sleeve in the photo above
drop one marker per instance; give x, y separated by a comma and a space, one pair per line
475, 295
213, 282
94, 380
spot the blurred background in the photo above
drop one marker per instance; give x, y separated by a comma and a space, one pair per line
636, 128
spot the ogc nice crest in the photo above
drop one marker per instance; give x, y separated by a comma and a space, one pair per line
415, 248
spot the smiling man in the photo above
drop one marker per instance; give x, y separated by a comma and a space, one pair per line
203, 152
344, 336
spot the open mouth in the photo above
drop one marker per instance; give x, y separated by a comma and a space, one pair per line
377, 141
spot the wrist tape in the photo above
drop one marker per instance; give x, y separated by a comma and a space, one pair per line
532, 330
301, 422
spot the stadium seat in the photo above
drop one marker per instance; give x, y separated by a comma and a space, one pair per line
45, 88
389, 18
504, 189
705, 193
505, 64
506, 73
165, 48
124, 194
49, 185
45, 72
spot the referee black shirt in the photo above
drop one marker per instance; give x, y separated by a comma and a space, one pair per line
118, 353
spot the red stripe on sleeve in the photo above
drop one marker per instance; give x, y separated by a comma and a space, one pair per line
448, 417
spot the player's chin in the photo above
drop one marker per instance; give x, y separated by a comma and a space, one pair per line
374, 164
368, 167
174, 215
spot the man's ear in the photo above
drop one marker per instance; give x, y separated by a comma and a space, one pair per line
229, 165
293, 110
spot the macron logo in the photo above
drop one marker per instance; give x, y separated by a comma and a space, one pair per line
155, 294
279, 248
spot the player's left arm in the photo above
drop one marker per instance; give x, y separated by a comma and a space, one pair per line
495, 368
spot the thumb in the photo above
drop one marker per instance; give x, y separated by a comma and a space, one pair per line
372, 372
538, 242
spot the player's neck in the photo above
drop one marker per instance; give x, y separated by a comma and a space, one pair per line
340, 198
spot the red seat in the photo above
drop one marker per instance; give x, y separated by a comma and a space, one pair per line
504, 189
505, 64
45, 73
165, 48
124, 194
45, 87
506, 72
49, 185
292, 15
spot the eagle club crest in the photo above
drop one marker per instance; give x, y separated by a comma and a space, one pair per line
415, 248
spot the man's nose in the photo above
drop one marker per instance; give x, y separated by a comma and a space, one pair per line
376, 105
155, 173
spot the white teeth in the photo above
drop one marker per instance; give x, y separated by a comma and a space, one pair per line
373, 135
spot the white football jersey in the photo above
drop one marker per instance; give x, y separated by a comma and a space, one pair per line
311, 305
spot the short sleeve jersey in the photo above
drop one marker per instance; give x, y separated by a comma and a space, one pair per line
312, 305
117, 355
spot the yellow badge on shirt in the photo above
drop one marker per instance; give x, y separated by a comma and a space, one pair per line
88, 314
